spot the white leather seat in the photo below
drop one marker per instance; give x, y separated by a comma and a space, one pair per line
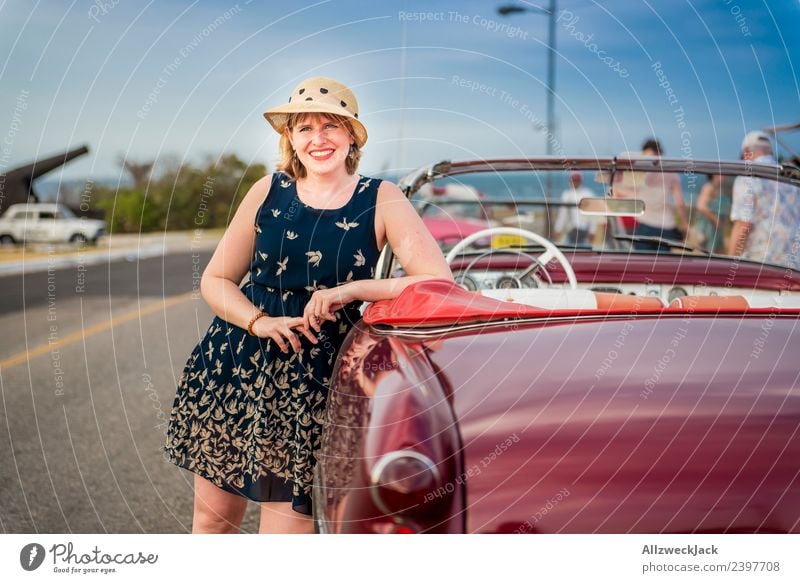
773, 301
547, 299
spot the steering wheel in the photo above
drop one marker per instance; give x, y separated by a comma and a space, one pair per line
550, 250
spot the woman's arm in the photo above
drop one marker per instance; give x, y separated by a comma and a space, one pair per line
231, 260
228, 266
412, 243
707, 194
680, 206
415, 248
739, 234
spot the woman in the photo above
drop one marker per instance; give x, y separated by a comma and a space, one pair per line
714, 208
663, 202
249, 408
660, 213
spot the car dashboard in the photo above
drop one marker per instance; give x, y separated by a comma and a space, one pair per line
666, 277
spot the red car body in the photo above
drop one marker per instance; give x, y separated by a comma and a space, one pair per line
449, 230
451, 412
449, 227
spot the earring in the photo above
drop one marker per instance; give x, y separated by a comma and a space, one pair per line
294, 155
352, 153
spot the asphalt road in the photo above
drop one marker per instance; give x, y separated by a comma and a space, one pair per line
89, 361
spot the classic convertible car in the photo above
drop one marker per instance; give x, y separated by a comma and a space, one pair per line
571, 389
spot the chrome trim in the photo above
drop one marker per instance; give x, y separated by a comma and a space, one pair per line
384, 461
438, 331
783, 173
317, 504
410, 183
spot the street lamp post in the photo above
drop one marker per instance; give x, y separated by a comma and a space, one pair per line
551, 66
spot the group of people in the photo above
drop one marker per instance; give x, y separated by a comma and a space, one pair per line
758, 220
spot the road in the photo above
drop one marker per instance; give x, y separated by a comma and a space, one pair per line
89, 360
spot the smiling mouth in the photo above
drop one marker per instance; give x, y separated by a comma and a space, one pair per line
321, 154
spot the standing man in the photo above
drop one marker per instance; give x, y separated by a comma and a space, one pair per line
580, 227
765, 213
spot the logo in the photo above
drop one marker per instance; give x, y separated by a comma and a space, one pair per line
31, 556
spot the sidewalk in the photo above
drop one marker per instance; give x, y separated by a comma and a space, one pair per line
129, 247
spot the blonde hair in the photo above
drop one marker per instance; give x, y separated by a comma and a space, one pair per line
291, 165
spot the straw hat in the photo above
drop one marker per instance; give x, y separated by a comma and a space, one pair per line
319, 95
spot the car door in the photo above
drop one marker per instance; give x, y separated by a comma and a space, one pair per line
49, 227
28, 223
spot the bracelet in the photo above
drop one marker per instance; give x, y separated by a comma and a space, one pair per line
253, 321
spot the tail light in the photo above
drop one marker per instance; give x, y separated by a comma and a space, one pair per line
411, 454
404, 461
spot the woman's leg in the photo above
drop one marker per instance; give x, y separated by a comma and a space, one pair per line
279, 518
215, 510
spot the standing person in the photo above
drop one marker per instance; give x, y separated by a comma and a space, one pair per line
580, 227
249, 408
765, 213
663, 201
713, 207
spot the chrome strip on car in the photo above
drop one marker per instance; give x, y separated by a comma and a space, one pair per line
385, 460
317, 503
783, 173
435, 331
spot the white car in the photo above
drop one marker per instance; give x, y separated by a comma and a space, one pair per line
47, 223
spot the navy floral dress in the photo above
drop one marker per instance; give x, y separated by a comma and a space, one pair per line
246, 416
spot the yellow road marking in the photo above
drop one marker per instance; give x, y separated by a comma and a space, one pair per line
92, 330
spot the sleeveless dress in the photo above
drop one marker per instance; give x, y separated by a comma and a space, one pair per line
246, 416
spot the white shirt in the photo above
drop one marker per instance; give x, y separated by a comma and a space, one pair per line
773, 210
571, 217
655, 189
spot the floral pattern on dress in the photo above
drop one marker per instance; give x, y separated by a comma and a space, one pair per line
246, 416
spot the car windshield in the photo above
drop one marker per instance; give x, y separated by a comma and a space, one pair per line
684, 212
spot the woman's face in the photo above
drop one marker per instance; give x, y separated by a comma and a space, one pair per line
321, 143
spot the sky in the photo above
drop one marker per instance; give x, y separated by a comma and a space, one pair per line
188, 80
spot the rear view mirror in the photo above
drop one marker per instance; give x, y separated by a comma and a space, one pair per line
611, 207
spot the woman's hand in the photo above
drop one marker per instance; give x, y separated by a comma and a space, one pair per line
281, 330
325, 302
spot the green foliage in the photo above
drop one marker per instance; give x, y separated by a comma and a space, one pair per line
180, 197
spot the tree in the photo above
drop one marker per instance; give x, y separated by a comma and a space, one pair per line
139, 171
180, 196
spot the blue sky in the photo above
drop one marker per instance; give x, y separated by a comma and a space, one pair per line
435, 80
